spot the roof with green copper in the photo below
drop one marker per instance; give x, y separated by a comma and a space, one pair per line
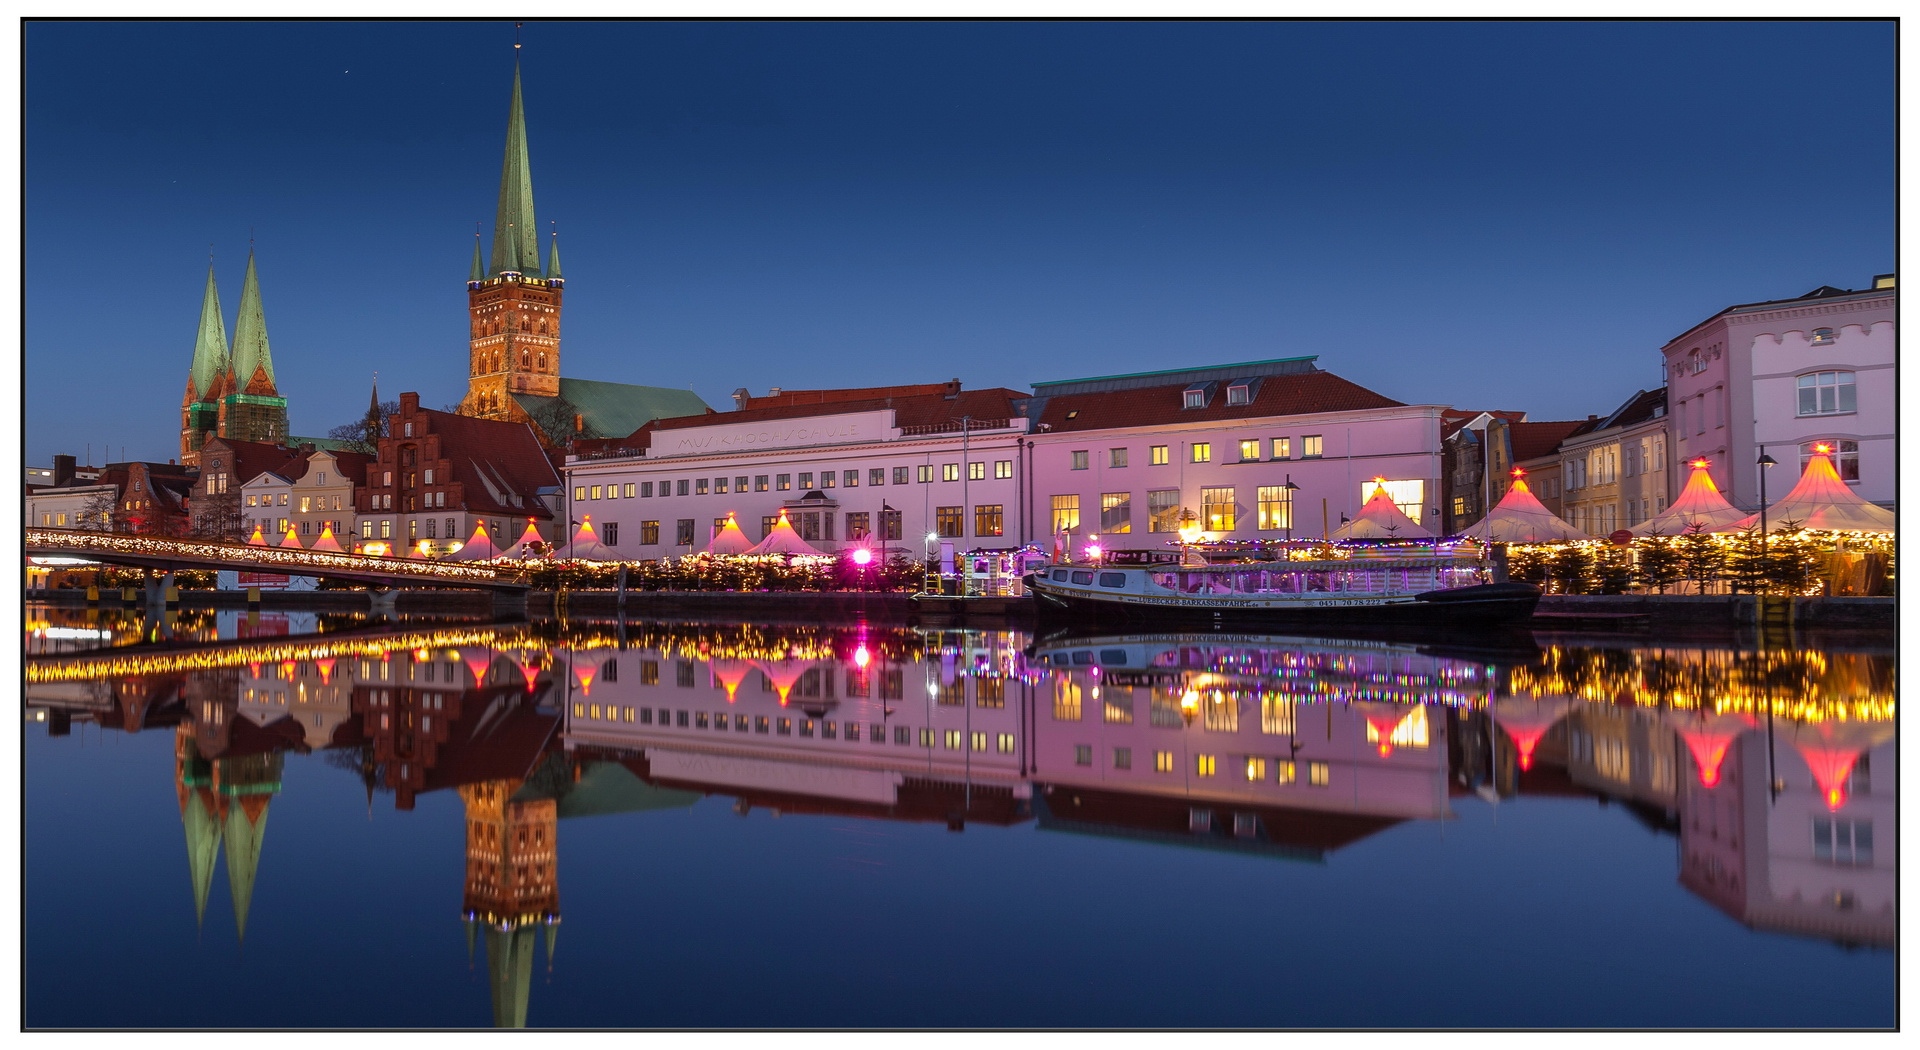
606, 788
478, 271
250, 351
510, 973
210, 345
516, 239
617, 409
553, 261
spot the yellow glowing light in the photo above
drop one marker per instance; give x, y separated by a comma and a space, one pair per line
861, 657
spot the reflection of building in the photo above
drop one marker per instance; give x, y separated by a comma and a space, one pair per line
1625, 753
512, 887
1798, 858
224, 801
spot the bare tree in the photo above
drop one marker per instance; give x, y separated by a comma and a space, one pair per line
217, 516
557, 421
97, 512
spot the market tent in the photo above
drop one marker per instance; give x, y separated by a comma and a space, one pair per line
730, 673
730, 540
1527, 720
782, 540
519, 548
480, 548
1381, 519
1520, 518
326, 542
1700, 504
1832, 748
1708, 738
586, 546
1822, 501
257, 539
292, 539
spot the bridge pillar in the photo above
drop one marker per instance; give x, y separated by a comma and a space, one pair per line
380, 603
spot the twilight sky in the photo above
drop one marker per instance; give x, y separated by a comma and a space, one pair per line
1489, 215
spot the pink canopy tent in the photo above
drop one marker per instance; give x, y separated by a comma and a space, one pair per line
783, 540
1708, 738
1521, 518
292, 539
586, 545
1527, 720
480, 548
1380, 519
326, 542
258, 539
519, 548
1832, 748
1700, 503
730, 540
731, 673
1822, 501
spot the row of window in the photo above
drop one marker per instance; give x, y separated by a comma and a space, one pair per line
1202, 452
1219, 512
825, 729
1002, 469
1256, 767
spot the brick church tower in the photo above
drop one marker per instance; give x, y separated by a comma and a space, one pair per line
513, 307
231, 394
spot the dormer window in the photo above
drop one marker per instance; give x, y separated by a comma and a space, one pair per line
1239, 394
1194, 397
1823, 337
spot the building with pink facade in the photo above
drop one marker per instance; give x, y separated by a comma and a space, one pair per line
1258, 450
1784, 374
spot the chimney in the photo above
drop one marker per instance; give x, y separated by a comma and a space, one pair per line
62, 470
409, 403
1591, 418
740, 398
952, 392
773, 391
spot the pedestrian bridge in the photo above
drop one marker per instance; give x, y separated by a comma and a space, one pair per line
171, 554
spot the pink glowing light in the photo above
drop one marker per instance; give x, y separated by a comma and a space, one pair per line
862, 557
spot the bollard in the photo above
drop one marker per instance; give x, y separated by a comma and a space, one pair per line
171, 596
93, 594
126, 594
253, 596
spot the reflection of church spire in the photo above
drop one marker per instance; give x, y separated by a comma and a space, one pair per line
199, 816
246, 827
510, 973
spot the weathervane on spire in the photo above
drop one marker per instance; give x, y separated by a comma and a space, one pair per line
516, 36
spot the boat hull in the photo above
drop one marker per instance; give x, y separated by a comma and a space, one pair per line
1476, 606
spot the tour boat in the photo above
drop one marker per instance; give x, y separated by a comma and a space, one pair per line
1443, 588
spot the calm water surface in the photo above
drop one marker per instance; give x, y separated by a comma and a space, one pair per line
299, 821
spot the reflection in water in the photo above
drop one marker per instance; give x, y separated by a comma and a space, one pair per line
1762, 764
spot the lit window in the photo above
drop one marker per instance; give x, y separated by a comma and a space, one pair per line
1202, 452
1163, 510
1283, 772
1249, 451
1217, 509
976, 472
1256, 768
1116, 512
1310, 446
783, 482
980, 742
949, 472
1002, 468
594, 493
1205, 765
1826, 393
720, 486
953, 740
1281, 448
1163, 761
826, 479
1318, 774
1276, 507
1822, 337
1066, 513
989, 519
948, 520
699, 486
1157, 455
1005, 743
1080, 460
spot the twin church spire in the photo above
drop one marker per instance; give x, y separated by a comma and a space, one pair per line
231, 391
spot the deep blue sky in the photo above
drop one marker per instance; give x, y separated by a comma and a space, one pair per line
1489, 215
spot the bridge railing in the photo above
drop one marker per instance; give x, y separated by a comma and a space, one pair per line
81, 543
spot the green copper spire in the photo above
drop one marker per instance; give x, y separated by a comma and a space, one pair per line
203, 850
250, 352
210, 348
516, 239
553, 260
510, 973
478, 272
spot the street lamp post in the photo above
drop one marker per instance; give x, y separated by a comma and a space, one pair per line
1765, 461
1290, 488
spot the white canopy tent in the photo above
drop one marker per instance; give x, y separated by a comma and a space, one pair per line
783, 540
586, 545
730, 540
480, 548
1521, 518
1381, 519
1700, 508
1821, 501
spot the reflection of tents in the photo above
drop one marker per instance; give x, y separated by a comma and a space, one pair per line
1526, 721
1700, 502
478, 661
583, 674
1832, 748
586, 546
1520, 518
519, 548
292, 539
731, 673
480, 548
326, 542
783, 540
1708, 737
730, 540
784, 675
1822, 501
1380, 519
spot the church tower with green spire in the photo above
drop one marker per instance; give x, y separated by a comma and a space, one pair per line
513, 306
251, 408
200, 407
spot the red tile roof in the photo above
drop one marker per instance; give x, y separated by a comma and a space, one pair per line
1452, 419
252, 458
1533, 440
1279, 395
490, 451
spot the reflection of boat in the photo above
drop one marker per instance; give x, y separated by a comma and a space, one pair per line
1431, 590
1067, 648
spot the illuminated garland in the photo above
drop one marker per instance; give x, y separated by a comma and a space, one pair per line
111, 665
314, 561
